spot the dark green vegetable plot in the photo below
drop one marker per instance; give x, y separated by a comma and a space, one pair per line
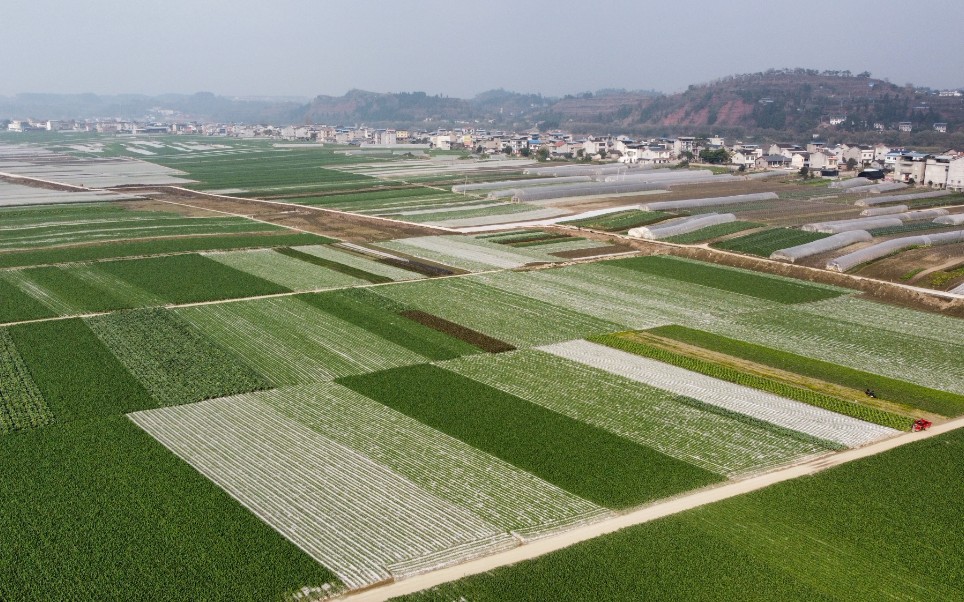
78, 376
882, 528
77, 293
189, 278
780, 290
766, 242
585, 460
98, 510
16, 305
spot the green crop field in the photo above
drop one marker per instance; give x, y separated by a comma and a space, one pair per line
189, 278
119, 250
98, 510
766, 242
885, 527
683, 428
585, 460
22, 405
382, 317
77, 375
942, 402
69, 294
18, 305
771, 288
174, 361
341, 268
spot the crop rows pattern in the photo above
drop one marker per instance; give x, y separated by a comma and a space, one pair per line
21, 404
641, 413
496, 491
464, 252
357, 261
873, 348
766, 242
511, 317
629, 298
780, 411
175, 362
291, 342
352, 515
285, 271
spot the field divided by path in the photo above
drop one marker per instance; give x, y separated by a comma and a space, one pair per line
684, 428
585, 460
350, 514
174, 361
780, 411
498, 492
293, 342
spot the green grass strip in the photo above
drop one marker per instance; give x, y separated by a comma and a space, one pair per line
77, 293
190, 278
116, 250
585, 460
733, 280
932, 400
334, 265
98, 510
373, 313
78, 376
622, 220
820, 400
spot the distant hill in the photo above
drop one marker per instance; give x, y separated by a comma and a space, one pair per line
779, 103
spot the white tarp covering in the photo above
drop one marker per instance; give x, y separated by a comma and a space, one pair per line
689, 224
518, 183
882, 249
710, 201
831, 243
899, 198
956, 219
561, 191
875, 211
877, 188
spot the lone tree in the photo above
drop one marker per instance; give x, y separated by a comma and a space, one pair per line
542, 154
804, 172
851, 163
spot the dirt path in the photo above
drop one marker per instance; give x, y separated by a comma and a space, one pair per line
643, 515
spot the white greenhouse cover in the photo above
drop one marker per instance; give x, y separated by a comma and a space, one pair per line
875, 211
690, 224
845, 262
899, 198
709, 202
831, 243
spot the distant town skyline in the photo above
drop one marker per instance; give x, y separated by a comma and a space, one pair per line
303, 49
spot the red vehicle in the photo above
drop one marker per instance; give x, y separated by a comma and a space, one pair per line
921, 425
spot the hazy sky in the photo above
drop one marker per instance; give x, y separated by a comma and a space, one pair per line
310, 47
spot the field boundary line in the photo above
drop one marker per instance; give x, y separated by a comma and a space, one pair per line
645, 514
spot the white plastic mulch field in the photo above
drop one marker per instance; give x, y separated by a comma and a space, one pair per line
761, 405
359, 519
465, 252
496, 491
677, 427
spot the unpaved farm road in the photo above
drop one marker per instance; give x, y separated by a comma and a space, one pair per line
642, 515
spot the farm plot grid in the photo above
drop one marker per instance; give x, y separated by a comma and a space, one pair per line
622, 296
782, 412
353, 260
285, 271
900, 354
510, 317
320, 347
466, 252
681, 427
354, 516
21, 404
496, 491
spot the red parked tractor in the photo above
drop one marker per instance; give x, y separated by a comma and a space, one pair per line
921, 425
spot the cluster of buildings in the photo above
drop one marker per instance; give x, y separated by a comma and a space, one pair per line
944, 170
